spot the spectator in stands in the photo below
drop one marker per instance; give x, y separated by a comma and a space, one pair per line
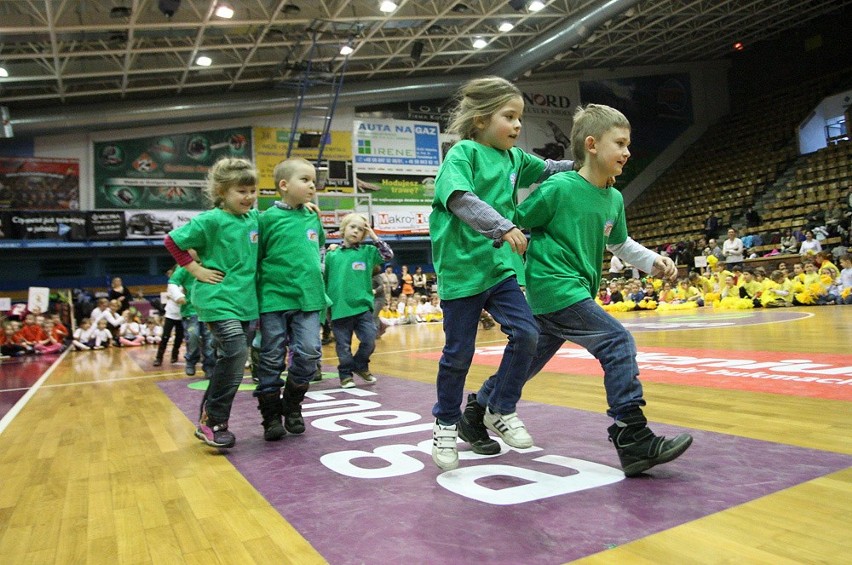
811, 245
84, 335
752, 218
121, 293
419, 282
407, 283
8, 346
733, 248
789, 243
54, 342
834, 218
713, 249
711, 226
616, 267
390, 283
846, 279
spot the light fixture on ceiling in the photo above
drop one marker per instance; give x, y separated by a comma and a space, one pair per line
517, 5
479, 43
506, 26
203, 61
347, 50
387, 6
3, 72
168, 7
224, 9
535, 6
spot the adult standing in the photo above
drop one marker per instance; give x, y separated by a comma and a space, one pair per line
121, 293
711, 226
733, 248
390, 282
419, 282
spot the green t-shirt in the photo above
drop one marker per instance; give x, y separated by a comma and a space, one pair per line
349, 279
225, 243
572, 222
289, 274
466, 262
181, 277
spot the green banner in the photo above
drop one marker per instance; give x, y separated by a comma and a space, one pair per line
163, 172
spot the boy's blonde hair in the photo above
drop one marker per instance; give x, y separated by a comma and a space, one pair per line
351, 217
593, 120
480, 97
228, 173
287, 168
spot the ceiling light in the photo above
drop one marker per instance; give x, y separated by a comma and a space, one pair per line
387, 6
120, 12
203, 61
506, 26
224, 10
479, 43
535, 6
347, 50
3, 72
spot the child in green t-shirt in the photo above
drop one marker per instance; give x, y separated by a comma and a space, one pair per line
349, 284
472, 216
574, 217
225, 239
291, 294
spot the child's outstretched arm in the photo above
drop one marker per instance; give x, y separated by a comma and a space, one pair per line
552, 167
629, 251
473, 211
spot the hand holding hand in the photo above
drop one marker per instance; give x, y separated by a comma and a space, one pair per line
517, 240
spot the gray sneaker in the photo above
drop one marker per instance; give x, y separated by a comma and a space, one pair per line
445, 452
509, 427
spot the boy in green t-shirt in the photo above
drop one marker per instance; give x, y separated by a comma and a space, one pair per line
574, 217
291, 294
349, 283
199, 342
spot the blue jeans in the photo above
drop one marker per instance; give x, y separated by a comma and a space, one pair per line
199, 344
301, 331
587, 324
361, 325
229, 338
507, 305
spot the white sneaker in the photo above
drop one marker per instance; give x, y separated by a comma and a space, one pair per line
509, 427
445, 452
347, 383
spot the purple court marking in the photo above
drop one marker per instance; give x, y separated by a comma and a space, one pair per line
18, 375
418, 515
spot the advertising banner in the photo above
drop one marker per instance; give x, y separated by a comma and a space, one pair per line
155, 224
396, 147
46, 224
270, 148
39, 183
165, 172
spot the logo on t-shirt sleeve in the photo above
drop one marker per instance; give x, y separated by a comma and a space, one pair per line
608, 227
359, 266
253, 236
313, 235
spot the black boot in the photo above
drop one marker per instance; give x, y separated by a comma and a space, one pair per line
473, 430
291, 406
270, 408
638, 448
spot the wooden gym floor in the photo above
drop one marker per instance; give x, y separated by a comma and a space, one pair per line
98, 464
